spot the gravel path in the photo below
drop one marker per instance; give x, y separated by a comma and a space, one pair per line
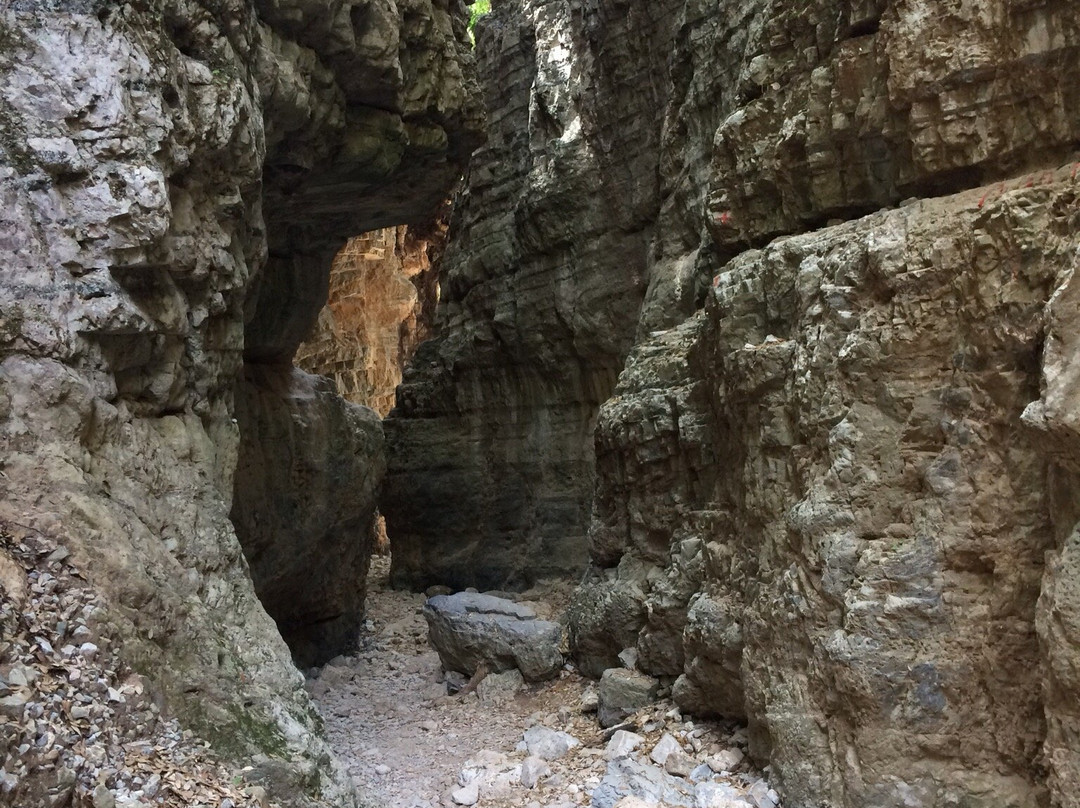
408, 745
389, 718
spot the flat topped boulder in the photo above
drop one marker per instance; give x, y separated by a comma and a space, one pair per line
468, 629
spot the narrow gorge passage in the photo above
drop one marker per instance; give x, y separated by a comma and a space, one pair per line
748, 351
391, 713
408, 743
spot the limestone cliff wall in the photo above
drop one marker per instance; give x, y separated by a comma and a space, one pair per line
834, 482
384, 289
856, 538
827, 504
490, 446
170, 171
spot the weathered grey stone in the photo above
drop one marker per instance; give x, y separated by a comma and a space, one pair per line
467, 795
146, 157
761, 796
533, 770
719, 795
499, 688
549, 744
701, 773
666, 746
626, 777
679, 763
623, 692
726, 761
868, 519
590, 700
103, 798
840, 502
622, 743
820, 435
468, 629
454, 681
605, 616
12, 706
712, 639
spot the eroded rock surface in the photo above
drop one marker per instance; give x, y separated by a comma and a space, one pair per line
876, 489
144, 149
470, 630
490, 446
868, 382
623, 692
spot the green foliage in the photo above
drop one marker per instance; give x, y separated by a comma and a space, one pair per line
478, 10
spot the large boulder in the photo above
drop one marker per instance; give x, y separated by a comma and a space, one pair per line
623, 692
469, 629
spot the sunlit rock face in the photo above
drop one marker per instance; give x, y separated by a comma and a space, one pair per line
834, 481
384, 288
155, 160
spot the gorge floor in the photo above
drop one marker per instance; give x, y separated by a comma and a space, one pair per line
407, 744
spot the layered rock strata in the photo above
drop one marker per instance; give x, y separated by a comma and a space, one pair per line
133, 142
826, 503
376, 134
384, 288
857, 573
490, 445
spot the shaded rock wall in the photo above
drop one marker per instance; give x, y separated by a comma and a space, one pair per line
490, 445
373, 114
307, 523
133, 139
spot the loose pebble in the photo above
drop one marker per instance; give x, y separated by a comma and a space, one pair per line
76, 720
